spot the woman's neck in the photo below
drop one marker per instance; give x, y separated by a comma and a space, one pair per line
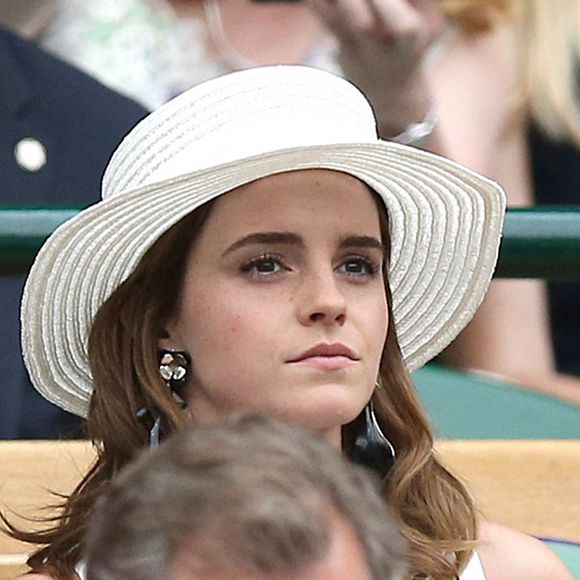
333, 436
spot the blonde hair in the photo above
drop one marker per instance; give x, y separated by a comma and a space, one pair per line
435, 512
551, 34
550, 55
478, 15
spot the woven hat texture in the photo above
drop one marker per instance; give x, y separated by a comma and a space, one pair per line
445, 219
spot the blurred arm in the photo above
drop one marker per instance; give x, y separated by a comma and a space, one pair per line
475, 87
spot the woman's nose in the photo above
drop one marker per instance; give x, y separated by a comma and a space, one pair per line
321, 300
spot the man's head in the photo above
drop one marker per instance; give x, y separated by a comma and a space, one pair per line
248, 499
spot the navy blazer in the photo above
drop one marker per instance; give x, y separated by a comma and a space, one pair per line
76, 123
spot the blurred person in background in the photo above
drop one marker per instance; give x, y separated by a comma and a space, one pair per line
57, 129
552, 88
535, 154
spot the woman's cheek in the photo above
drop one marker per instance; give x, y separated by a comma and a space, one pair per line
235, 327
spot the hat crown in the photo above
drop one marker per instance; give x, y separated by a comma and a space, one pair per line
295, 106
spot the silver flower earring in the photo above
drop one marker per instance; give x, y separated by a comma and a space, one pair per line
173, 367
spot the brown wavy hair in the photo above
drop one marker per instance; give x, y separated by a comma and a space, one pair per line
436, 513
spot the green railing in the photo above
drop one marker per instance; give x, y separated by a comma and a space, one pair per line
541, 242
538, 242
23, 231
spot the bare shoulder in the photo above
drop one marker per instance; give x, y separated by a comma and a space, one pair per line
35, 577
508, 554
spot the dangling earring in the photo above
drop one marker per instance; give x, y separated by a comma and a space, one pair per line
173, 368
371, 447
144, 412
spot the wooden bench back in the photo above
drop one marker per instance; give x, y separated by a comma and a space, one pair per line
531, 485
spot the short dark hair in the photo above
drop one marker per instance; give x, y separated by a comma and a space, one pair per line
251, 491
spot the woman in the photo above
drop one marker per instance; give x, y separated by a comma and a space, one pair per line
335, 264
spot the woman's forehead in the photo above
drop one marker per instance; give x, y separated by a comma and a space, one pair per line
300, 196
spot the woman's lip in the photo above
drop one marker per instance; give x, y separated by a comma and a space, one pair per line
327, 363
327, 350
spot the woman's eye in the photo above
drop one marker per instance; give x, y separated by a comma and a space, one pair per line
359, 267
264, 266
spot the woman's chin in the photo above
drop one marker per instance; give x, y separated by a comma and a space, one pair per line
324, 411
320, 407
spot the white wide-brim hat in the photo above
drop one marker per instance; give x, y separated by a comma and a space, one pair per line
445, 220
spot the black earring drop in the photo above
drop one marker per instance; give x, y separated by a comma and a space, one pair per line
371, 447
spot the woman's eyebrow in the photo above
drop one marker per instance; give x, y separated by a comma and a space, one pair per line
290, 238
361, 242
266, 238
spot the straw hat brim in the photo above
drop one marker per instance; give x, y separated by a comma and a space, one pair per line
445, 225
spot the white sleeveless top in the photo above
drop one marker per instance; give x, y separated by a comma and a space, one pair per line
473, 570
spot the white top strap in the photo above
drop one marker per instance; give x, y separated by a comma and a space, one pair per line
474, 569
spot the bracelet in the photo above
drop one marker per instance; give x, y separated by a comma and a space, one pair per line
417, 133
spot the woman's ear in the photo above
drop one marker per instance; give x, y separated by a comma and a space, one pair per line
170, 339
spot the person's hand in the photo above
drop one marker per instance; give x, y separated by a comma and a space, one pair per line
382, 47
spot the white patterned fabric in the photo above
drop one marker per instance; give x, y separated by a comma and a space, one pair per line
137, 47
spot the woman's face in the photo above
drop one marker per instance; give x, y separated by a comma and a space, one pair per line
283, 308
